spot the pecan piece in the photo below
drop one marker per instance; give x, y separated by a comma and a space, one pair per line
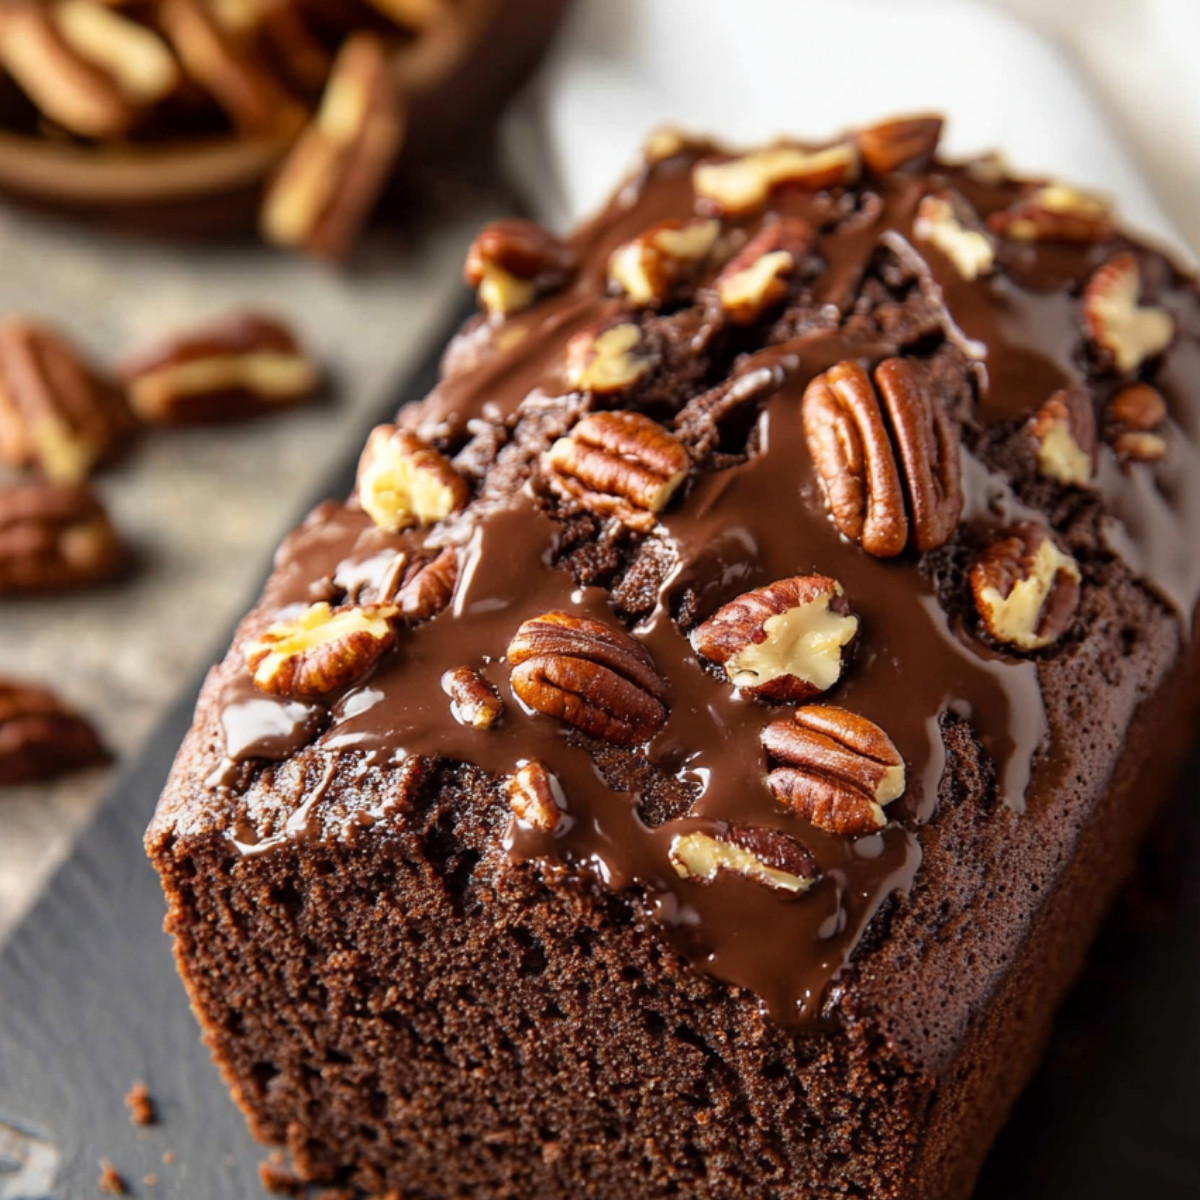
236, 366
618, 463
942, 221
56, 411
590, 675
1137, 424
326, 189
321, 650
1063, 431
837, 769
782, 642
1116, 321
404, 482
742, 185
767, 856
40, 737
1026, 589
1055, 212
474, 700
650, 266
607, 362
54, 537
513, 262
536, 797
900, 142
755, 279
848, 439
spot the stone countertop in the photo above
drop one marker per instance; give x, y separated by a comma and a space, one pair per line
204, 508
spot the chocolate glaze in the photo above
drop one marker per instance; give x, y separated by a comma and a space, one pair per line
740, 521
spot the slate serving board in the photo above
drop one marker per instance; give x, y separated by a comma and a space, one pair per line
90, 1003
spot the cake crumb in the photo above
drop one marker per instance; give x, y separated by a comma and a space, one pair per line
149, 1180
141, 1107
111, 1183
279, 1181
168, 1156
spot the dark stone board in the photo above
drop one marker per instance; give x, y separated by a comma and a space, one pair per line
90, 1003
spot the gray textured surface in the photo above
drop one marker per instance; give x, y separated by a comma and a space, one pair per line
203, 508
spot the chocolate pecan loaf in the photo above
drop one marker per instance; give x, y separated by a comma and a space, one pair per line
695, 760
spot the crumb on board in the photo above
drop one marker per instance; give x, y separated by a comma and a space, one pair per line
149, 1180
168, 1156
111, 1183
141, 1107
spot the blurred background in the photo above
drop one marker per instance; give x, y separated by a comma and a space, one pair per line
165, 164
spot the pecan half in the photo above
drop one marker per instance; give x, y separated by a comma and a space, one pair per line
900, 142
849, 441
1026, 589
1115, 319
237, 366
650, 266
755, 279
767, 856
428, 587
404, 482
40, 737
56, 411
321, 650
590, 675
474, 700
54, 537
782, 642
513, 262
325, 191
618, 463
1064, 436
1137, 423
1055, 212
609, 361
943, 222
742, 185
536, 797
837, 769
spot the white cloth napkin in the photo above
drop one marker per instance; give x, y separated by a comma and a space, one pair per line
753, 69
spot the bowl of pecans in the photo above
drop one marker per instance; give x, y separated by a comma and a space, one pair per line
193, 116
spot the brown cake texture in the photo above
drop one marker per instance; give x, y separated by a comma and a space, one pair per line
696, 758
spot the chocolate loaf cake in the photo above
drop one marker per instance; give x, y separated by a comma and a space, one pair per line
696, 758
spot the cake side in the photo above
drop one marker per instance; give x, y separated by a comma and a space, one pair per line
965, 403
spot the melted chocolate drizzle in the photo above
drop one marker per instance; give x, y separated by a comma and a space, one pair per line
729, 530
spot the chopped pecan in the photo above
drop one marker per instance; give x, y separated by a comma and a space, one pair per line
942, 221
1055, 212
650, 266
321, 650
609, 361
1115, 319
901, 142
618, 463
41, 738
334, 174
1137, 423
404, 482
850, 446
428, 586
54, 537
233, 367
837, 769
56, 411
755, 279
590, 675
536, 797
1064, 436
665, 142
767, 856
229, 68
743, 185
513, 262
782, 642
1026, 589
474, 700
